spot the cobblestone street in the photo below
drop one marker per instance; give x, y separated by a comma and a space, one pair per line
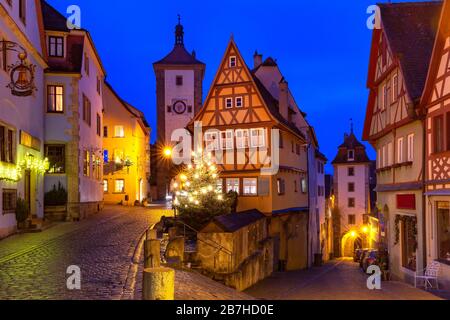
33, 266
337, 280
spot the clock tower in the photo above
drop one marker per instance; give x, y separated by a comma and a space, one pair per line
179, 79
179, 85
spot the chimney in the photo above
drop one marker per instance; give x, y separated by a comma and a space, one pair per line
284, 99
257, 60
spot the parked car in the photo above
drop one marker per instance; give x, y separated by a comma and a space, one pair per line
370, 258
358, 253
361, 256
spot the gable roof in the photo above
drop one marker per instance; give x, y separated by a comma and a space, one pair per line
269, 101
131, 109
442, 34
351, 143
53, 19
410, 29
235, 221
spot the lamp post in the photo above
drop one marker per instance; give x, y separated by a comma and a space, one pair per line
21, 73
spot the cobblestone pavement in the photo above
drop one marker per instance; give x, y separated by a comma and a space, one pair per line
341, 280
33, 266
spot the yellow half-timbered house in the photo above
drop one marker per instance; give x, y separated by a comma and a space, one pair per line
261, 152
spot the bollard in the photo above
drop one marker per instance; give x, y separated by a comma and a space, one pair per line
152, 234
158, 284
152, 253
172, 233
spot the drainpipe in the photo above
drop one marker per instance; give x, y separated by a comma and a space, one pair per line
424, 168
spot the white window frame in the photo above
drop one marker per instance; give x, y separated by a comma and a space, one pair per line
232, 63
395, 87
239, 102
123, 186
390, 151
242, 138
410, 153
228, 103
227, 142
212, 144
252, 188
400, 148
352, 158
261, 138
230, 184
119, 132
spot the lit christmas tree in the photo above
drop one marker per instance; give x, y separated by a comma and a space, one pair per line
198, 195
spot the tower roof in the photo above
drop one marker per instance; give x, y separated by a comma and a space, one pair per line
179, 55
351, 143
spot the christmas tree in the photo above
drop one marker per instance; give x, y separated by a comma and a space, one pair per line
198, 193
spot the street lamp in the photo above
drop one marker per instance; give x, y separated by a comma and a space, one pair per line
21, 73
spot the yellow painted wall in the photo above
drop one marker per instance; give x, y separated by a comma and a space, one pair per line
135, 145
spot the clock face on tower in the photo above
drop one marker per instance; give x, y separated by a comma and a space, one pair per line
179, 107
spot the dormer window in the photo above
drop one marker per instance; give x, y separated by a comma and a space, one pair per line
56, 46
233, 61
351, 155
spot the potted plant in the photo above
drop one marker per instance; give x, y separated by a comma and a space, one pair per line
22, 213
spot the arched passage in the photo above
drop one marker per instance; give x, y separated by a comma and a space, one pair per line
350, 241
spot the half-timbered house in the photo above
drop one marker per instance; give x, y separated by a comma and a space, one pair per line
249, 130
399, 60
436, 103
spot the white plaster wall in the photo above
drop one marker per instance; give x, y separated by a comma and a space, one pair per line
360, 179
91, 189
22, 113
172, 93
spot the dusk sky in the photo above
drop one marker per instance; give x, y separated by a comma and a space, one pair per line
322, 48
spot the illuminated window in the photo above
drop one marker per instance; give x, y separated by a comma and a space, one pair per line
105, 185
233, 185
119, 132
250, 186
55, 99
86, 164
119, 186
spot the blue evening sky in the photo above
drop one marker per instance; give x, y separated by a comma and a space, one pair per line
322, 48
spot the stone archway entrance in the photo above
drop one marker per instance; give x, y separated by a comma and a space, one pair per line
349, 243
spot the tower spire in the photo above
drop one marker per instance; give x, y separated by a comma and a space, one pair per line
179, 33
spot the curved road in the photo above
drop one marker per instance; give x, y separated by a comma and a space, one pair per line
33, 266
